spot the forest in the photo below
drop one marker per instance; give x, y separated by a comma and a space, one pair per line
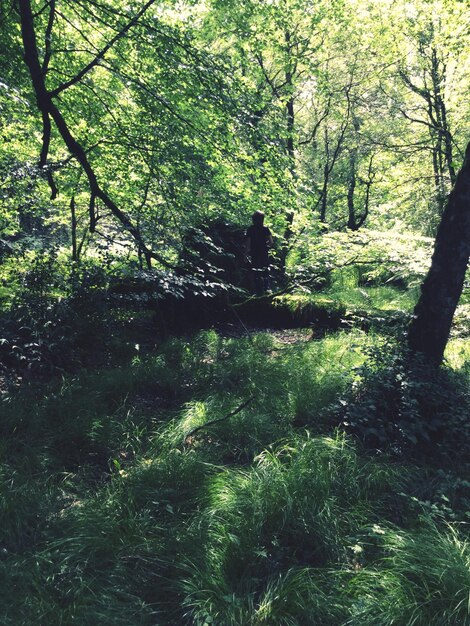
207, 420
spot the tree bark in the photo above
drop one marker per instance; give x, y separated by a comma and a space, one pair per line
73, 216
429, 330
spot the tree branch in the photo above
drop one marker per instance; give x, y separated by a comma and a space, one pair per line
317, 125
48, 37
417, 120
102, 52
219, 419
274, 88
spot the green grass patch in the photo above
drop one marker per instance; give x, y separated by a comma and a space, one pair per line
266, 515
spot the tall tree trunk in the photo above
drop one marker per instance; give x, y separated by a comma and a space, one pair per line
429, 331
74, 229
351, 189
326, 176
290, 147
291, 155
355, 221
324, 195
438, 75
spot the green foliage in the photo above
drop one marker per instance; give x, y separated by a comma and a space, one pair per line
188, 118
202, 480
110, 510
271, 527
366, 258
422, 578
408, 406
308, 309
57, 315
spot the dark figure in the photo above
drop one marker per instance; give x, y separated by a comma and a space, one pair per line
258, 242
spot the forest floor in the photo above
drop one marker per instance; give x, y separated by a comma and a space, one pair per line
239, 476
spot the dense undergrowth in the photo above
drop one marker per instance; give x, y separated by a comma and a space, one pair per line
231, 477
111, 514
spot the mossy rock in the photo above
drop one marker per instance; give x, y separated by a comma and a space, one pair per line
291, 311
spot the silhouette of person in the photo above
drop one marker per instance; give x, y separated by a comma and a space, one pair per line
258, 242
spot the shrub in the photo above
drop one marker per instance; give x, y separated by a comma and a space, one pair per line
409, 407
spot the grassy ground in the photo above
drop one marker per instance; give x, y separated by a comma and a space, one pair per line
115, 510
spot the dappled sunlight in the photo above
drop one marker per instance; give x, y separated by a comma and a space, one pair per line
233, 239
457, 354
266, 514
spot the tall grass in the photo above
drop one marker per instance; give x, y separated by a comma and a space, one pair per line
421, 578
286, 519
111, 515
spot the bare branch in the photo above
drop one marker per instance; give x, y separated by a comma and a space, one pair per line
219, 419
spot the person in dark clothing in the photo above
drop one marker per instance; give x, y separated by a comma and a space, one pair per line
258, 243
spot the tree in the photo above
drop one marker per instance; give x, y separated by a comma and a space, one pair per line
140, 111
275, 47
429, 331
50, 111
428, 82
152, 121
431, 55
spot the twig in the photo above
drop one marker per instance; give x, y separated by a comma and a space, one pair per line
239, 319
219, 419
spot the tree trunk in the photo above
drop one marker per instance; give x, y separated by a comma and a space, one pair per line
290, 148
74, 229
326, 174
324, 195
438, 73
291, 154
429, 331
351, 189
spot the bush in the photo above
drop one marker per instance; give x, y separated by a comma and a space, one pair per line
362, 258
402, 404
58, 319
